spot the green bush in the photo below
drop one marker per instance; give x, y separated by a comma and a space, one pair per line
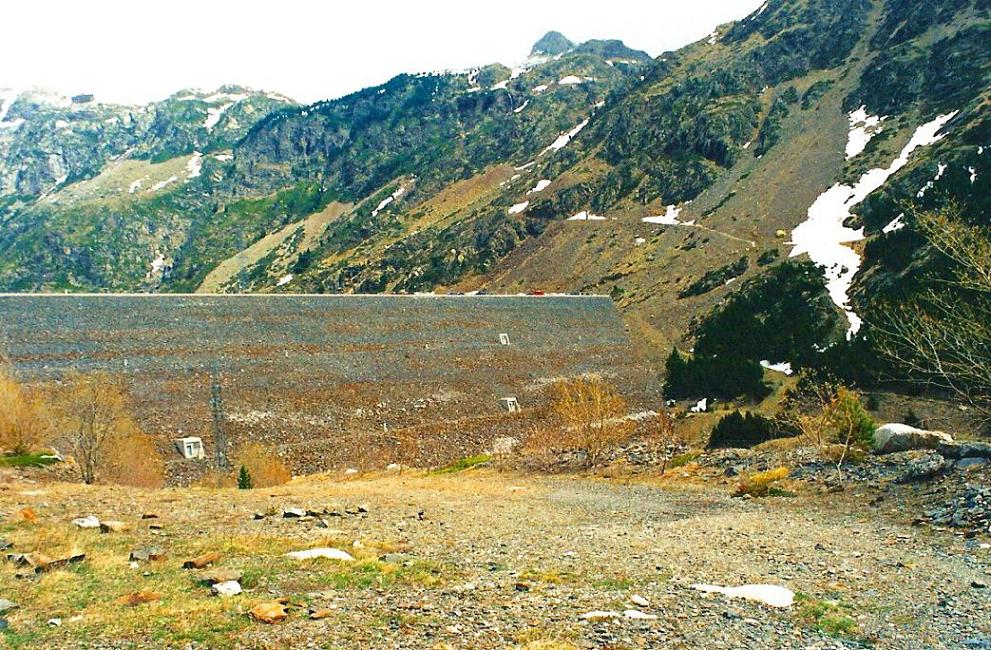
725, 377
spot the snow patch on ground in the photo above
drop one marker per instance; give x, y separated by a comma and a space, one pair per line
158, 266
522, 108
387, 200
195, 165
519, 207
584, 215
896, 224
541, 88
973, 174
770, 595
565, 138
863, 128
163, 184
284, 280
713, 38
7, 99
540, 186
940, 170
135, 186
213, 115
784, 368
224, 157
570, 80
822, 236
670, 218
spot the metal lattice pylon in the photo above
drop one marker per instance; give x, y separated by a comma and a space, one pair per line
217, 409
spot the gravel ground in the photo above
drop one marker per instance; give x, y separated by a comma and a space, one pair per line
524, 558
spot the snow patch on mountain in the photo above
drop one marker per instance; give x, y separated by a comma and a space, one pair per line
519, 207
565, 138
863, 128
823, 235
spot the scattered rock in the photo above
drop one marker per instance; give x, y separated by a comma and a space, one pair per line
5, 545
636, 614
86, 522
599, 615
54, 622
217, 576
321, 614
639, 601
396, 558
7, 605
202, 561
44, 565
892, 438
269, 612
293, 513
771, 595
327, 553
226, 589
979, 584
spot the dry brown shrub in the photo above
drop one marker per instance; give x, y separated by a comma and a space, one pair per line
133, 460
216, 479
24, 421
92, 414
589, 416
264, 464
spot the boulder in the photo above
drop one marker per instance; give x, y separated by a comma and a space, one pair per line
86, 522
202, 561
269, 612
217, 576
113, 527
226, 589
324, 553
892, 438
7, 605
147, 554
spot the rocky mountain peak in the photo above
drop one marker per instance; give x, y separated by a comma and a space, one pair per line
552, 44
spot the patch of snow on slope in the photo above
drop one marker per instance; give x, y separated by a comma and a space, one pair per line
12, 125
540, 187
195, 165
541, 88
586, 216
713, 38
519, 207
387, 200
670, 218
565, 138
770, 595
7, 99
224, 157
863, 128
522, 108
213, 115
762, 9
973, 174
822, 236
135, 186
940, 170
502, 85
284, 280
784, 368
157, 267
163, 184
896, 224
570, 80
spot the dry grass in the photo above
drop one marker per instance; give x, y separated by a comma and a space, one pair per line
24, 421
763, 484
264, 465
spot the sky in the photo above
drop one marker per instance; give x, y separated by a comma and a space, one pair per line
136, 51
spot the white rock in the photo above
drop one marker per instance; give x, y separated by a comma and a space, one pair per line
327, 553
771, 595
599, 615
639, 601
226, 589
86, 522
636, 614
893, 438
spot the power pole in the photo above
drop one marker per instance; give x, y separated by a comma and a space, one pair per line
217, 409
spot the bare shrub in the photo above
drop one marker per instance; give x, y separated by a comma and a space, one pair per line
24, 423
264, 465
942, 337
589, 416
92, 416
133, 459
838, 424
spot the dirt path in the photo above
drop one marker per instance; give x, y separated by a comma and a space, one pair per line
516, 560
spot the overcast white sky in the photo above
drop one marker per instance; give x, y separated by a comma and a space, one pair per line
143, 50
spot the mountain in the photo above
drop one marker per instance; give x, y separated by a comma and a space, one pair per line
679, 185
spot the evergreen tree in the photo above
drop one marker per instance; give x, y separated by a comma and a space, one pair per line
244, 479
